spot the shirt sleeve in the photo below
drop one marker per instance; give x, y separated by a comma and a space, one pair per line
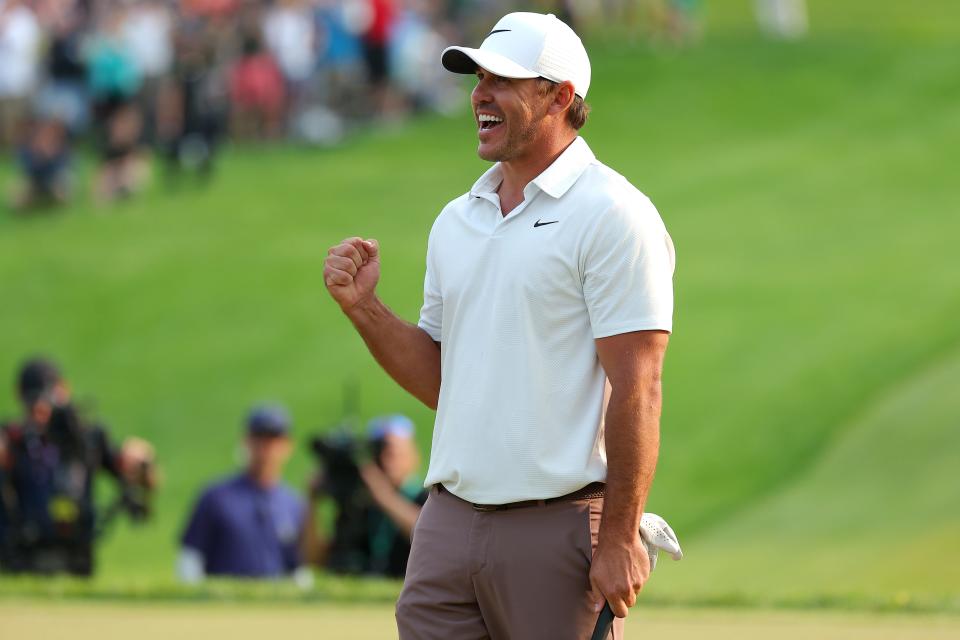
628, 271
201, 530
431, 314
108, 454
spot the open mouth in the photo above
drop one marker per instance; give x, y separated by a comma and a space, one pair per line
489, 122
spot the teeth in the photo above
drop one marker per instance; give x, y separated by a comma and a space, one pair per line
486, 117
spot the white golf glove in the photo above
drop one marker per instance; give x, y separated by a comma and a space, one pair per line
656, 535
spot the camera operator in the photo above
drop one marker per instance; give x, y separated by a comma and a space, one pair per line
249, 524
48, 461
374, 526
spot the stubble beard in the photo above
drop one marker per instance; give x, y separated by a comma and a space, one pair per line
515, 142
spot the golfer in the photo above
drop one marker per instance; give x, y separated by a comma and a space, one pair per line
547, 308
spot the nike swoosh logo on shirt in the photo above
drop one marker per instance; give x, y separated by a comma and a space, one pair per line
543, 224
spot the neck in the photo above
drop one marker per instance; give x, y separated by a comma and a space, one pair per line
263, 479
519, 172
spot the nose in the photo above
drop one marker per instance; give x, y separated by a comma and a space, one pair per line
481, 92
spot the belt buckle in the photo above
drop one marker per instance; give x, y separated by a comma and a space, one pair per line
486, 508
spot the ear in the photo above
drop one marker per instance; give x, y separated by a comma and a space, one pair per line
562, 98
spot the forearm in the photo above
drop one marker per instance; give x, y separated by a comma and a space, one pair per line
632, 441
401, 511
313, 547
405, 351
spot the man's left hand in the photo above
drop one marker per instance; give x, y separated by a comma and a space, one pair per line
617, 574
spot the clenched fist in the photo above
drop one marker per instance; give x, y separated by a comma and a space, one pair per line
351, 271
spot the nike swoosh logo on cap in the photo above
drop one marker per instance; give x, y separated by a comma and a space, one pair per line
497, 31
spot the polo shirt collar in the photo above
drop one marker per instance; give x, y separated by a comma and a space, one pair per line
555, 181
566, 169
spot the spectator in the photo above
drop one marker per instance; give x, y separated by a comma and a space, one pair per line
290, 36
339, 48
44, 160
115, 81
19, 64
396, 498
191, 107
414, 50
257, 93
376, 50
250, 524
125, 168
64, 95
146, 34
48, 460
112, 72
337, 90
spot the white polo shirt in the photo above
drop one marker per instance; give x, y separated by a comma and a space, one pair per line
516, 303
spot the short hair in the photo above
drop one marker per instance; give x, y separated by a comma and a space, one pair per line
579, 109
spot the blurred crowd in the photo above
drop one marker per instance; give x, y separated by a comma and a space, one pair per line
178, 76
172, 79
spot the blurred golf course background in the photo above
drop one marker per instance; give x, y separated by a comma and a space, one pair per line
811, 432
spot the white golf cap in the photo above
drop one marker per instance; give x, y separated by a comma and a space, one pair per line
527, 45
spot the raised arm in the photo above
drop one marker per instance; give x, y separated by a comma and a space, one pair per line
633, 363
404, 350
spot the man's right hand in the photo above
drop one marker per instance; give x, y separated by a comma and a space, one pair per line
351, 272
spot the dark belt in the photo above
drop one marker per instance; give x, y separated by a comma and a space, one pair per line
592, 490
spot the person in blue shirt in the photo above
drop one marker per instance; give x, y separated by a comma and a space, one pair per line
250, 524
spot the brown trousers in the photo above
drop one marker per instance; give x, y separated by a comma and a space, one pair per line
519, 574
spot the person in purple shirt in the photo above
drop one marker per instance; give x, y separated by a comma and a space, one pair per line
251, 524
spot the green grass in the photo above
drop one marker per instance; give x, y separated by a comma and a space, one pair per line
810, 429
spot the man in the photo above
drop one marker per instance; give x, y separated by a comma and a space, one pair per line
45, 164
48, 461
547, 307
250, 524
374, 537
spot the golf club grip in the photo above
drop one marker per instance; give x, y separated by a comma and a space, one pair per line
604, 622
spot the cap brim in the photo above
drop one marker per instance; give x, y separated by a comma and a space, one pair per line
466, 60
267, 432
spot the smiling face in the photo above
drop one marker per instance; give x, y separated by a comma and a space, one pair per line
510, 116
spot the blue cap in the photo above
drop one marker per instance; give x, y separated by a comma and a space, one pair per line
268, 420
395, 424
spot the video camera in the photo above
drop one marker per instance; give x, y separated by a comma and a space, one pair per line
337, 455
338, 452
80, 442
